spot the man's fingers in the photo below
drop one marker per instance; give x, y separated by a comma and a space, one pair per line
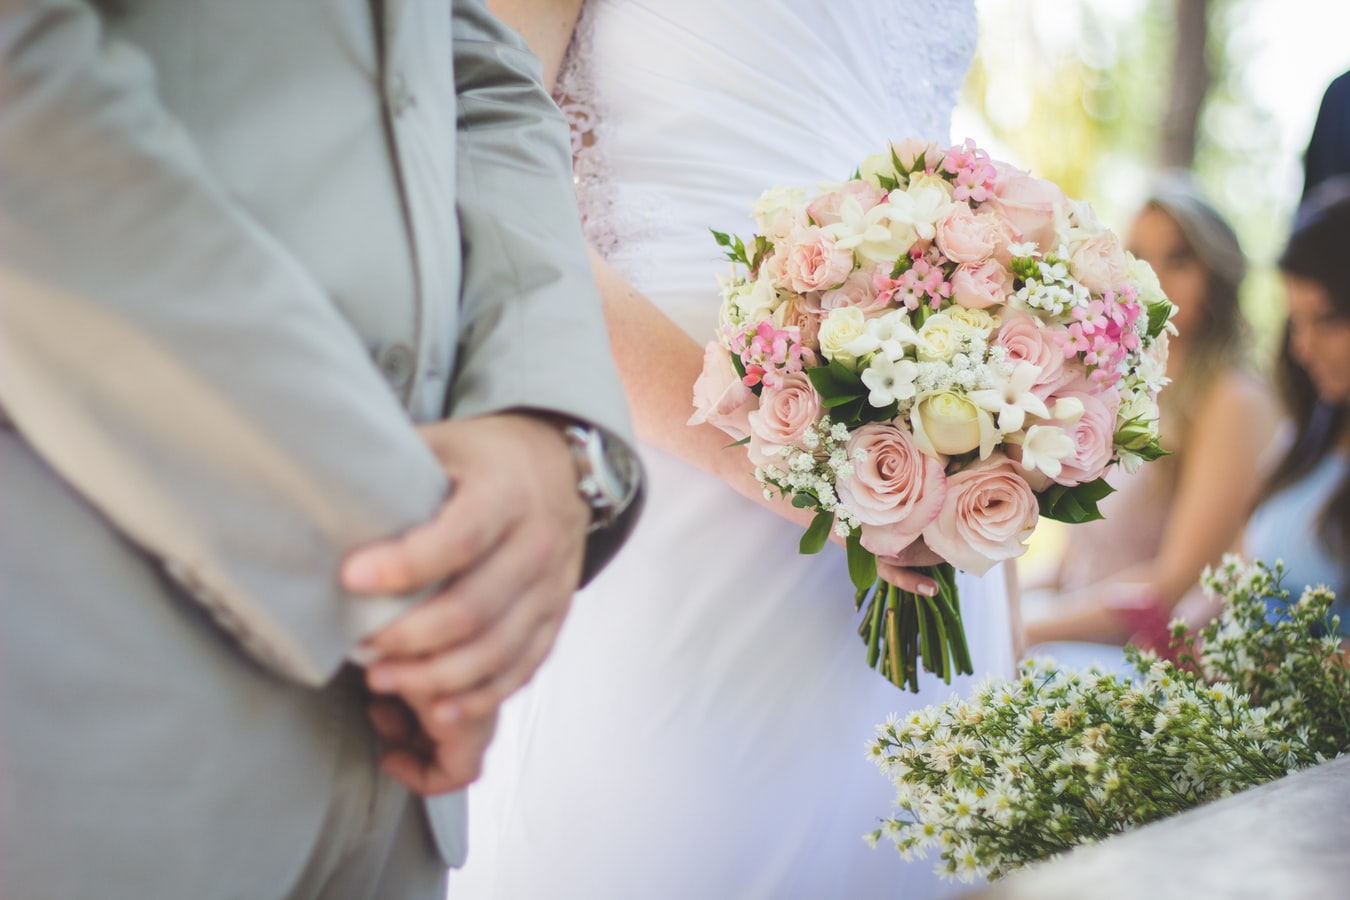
475, 662
452, 542
472, 604
483, 699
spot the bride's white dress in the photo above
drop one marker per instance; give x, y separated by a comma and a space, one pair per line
699, 730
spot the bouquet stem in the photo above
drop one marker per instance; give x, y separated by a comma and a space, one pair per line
902, 630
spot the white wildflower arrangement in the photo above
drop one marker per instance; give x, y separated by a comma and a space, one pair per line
1029, 768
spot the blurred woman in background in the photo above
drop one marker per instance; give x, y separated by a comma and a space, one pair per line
1121, 577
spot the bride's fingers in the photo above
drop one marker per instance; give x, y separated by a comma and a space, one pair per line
905, 579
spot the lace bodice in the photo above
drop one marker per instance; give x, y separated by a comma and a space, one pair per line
682, 113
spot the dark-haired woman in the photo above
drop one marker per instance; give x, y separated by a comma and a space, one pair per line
1303, 517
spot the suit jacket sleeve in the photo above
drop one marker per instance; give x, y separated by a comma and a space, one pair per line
175, 365
533, 333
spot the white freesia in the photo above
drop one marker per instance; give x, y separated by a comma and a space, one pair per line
1044, 449
1011, 398
893, 333
925, 202
889, 382
875, 236
1067, 410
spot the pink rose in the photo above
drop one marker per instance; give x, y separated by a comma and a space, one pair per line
1099, 263
859, 291
988, 514
966, 237
1027, 339
800, 312
814, 263
824, 208
720, 397
895, 491
785, 413
1093, 434
981, 285
1031, 205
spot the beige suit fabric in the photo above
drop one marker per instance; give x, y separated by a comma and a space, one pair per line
244, 246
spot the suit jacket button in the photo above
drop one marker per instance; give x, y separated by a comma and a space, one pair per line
396, 364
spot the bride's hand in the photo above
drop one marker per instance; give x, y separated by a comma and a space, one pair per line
902, 570
897, 569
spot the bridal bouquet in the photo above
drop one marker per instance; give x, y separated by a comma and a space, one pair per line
942, 347
1029, 768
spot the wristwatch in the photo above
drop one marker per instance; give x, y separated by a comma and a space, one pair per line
607, 474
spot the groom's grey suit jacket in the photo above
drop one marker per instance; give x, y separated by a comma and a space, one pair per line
244, 246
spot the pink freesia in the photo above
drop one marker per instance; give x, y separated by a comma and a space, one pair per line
895, 490
814, 263
1093, 434
720, 397
768, 353
1029, 204
785, 413
987, 516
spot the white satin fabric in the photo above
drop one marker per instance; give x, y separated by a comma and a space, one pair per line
699, 730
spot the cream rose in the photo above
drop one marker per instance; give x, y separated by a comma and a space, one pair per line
779, 211
948, 422
970, 322
939, 339
839, 333
987, 516
895, 490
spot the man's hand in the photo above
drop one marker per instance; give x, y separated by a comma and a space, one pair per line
507, 546
424, 765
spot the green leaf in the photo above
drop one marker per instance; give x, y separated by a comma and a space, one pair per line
836, 383
805, 500
887, 182
741, 443
1158, 314
817, 533
1074, 504
862, 564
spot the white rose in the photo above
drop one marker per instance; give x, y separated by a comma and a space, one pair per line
778, 209
755, 301
939, 338
971, 322
878, 166
948, 423
839, 333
